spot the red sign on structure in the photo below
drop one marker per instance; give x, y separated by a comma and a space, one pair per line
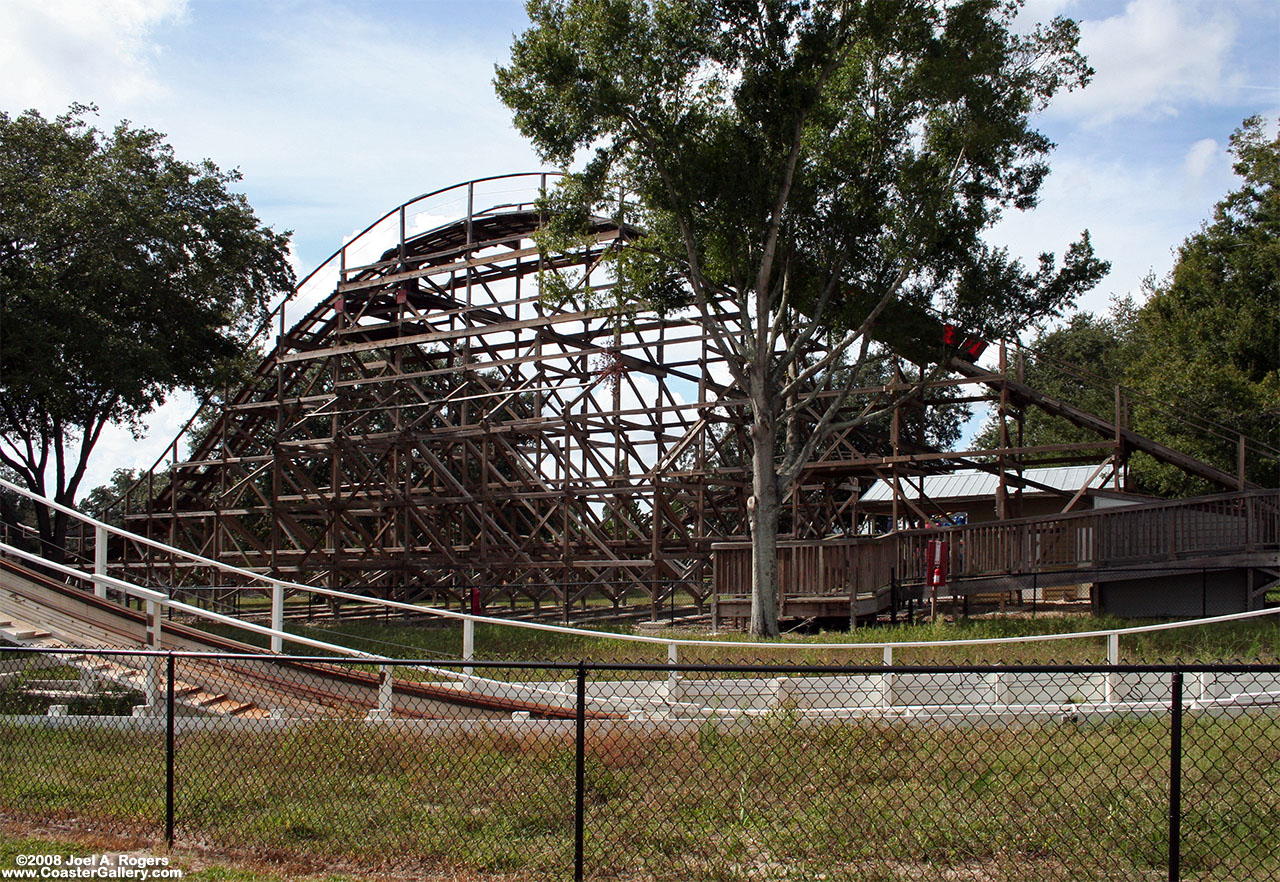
936, 557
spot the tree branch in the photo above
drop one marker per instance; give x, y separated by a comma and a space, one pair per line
788, 179
691, 257
802, 339
836, 351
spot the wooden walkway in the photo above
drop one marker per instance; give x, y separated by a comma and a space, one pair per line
856, 577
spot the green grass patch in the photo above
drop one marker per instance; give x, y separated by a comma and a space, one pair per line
1255, 640
781, 798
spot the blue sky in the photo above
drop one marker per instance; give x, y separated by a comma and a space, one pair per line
336, 112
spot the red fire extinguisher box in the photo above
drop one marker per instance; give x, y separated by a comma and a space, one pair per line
935, 563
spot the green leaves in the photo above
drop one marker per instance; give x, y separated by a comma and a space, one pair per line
1210, 331
797, 167
850, 138
125, 273
1202, 354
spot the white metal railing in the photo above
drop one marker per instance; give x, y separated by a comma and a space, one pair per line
158, 600
278, 587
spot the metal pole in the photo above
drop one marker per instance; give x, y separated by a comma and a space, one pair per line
886, 691
277, 616
386, 691
580, 773
1175, 781
168, 754
468, 644
99, 560
402, 237
471, 200
154, 641
1113, 659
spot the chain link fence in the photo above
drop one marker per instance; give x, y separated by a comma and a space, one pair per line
624, 771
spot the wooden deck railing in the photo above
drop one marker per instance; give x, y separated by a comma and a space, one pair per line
1207, 526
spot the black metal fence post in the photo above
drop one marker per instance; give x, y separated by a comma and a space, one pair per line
168, 754
1175, 780
580, 772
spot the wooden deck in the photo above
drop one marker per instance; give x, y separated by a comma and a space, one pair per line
854, 577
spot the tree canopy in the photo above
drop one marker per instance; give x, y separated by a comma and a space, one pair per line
1209, 335
1201, 356
801, 169
125, 274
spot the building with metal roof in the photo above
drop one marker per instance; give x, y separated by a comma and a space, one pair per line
969, 495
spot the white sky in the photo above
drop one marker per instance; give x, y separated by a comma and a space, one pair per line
335, 112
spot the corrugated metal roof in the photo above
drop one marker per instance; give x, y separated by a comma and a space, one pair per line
971, 483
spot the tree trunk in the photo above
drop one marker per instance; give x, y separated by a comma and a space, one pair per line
763, 516
56, 550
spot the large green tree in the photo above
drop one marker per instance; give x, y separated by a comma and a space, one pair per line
125, 274
1208, 337
800, 169
1200, 359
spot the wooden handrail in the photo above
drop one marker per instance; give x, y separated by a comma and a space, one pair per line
1168, 530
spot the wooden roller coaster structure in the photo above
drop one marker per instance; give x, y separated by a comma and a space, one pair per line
435, 428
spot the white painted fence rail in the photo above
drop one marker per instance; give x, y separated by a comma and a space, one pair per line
278, 587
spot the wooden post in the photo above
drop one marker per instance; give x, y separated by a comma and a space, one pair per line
1119, 437
1002, 488
1240, 463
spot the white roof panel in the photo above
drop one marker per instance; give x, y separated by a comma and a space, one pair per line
971, 483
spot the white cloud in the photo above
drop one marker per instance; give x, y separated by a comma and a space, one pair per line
118, 449
1039, 12
71, 50
1200, 157
1152, 60
1137, 213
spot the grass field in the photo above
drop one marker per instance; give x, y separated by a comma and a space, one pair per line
781, 799
1256, 640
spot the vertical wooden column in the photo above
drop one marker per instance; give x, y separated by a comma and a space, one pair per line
1002, 488
334, 507
895, 447
1241, 452
655, 548
1119, 436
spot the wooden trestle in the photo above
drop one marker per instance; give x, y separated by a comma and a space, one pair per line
435, 425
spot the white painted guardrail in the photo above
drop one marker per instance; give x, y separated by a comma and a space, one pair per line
158, 600
278, 587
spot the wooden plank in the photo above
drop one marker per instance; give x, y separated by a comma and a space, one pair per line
438, 336
1085, 420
